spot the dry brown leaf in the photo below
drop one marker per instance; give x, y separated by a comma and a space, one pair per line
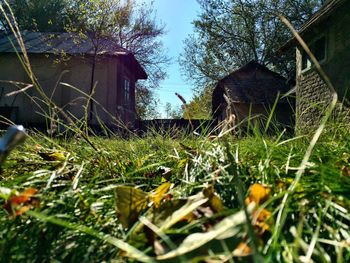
22, 210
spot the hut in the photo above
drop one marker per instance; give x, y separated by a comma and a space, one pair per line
250, 93
69, 68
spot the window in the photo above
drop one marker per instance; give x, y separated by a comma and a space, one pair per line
126, 89
318, 48
305, 61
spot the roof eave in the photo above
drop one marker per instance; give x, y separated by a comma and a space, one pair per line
317, 18
140, 72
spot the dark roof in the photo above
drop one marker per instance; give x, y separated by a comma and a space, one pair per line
253, 83
67, 43
326, 10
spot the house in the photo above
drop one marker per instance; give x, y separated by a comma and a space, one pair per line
69, 67
250, 92
327, 33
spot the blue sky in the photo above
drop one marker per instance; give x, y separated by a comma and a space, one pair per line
177, 16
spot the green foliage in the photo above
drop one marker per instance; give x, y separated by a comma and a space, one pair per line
200, 106
147, 104
40, 15
173, 113
133, 27
229, 34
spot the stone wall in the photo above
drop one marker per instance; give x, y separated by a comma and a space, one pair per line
313, 96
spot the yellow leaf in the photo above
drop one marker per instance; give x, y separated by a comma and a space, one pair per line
52, 156
182, 163
157, 195
258, 194
215, 202
130, 202
22, 210
242, 250
261, 220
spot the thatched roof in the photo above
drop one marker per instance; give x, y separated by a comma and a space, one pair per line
68, 43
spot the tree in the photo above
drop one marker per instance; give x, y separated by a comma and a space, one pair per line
39, 15
167, 109
147, 104
230, 33
130, 25
200, 105
173, 112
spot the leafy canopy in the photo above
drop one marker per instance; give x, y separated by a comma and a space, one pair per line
230, 33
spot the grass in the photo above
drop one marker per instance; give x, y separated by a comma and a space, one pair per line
80, 223
257, 198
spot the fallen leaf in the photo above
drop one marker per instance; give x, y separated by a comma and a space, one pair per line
19, 203
24, 196
262, 220
22, 210
227, 228
242, 250
52, 156
183, 212
258, 194
214, 201
130, 202
157, 195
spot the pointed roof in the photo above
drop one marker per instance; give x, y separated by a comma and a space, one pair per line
253, 83
325, 11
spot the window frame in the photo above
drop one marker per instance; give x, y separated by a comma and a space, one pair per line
126, 91
309, 64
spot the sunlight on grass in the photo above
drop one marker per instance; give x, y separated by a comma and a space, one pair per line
217, 196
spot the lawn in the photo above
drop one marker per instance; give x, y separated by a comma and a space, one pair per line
187, 198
